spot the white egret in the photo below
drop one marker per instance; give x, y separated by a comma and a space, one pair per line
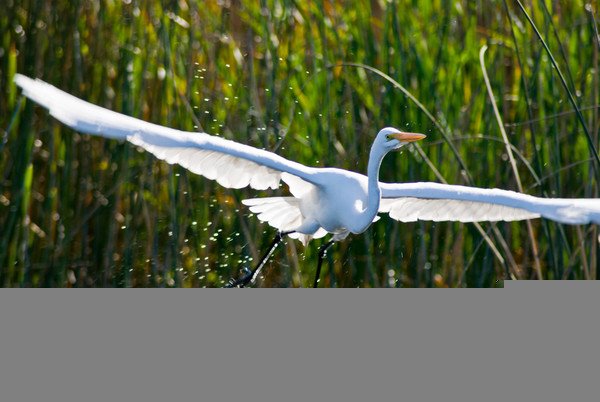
323, 200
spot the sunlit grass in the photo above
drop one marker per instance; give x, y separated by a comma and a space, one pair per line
313, 81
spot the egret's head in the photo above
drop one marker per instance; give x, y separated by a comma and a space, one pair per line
391, 138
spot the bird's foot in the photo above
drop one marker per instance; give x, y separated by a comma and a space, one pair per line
243, 280
249, 276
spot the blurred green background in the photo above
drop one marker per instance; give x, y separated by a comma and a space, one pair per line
291, 76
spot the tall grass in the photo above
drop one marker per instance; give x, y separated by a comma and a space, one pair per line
314, 82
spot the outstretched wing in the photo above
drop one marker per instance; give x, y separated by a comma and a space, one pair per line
231, 164
408, 202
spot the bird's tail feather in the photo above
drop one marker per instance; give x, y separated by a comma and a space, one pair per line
282, 213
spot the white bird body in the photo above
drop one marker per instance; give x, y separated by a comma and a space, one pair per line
338, 206
324, 200
317, 209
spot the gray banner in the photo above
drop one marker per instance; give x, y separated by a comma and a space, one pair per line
531, 341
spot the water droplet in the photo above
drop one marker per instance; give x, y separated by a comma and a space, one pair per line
161, 73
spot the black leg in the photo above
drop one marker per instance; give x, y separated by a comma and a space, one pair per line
322, 253
249, 276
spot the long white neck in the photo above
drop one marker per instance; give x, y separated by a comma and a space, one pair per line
374, 192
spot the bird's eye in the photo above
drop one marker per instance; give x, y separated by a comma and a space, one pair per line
388, 137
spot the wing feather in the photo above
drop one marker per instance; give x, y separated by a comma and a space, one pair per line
410, 209
232, 164
408, 202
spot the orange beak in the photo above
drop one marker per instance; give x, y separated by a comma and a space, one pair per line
408, 137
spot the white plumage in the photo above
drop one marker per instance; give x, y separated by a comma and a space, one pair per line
443, 202
324, 200
410, 209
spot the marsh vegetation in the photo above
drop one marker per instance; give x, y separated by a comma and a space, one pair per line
314, 82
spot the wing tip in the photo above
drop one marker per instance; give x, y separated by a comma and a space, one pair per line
24, 82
